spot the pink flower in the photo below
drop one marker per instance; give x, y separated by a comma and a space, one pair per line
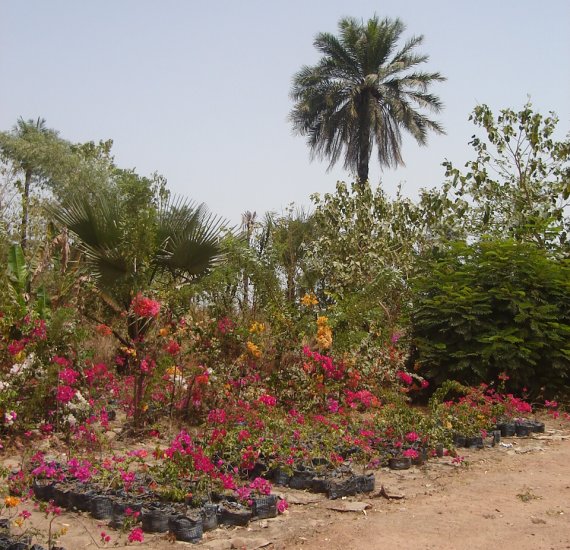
225, 325
411, 453
68, 376
268, 400
136, 535
145, 307
217, 416
425, 384
65, 394
61, 361
282, 505
412, 436
395, 337
332, 405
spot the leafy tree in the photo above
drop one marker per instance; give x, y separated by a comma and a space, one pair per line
362, 256
495, 306
519, 183
364, 91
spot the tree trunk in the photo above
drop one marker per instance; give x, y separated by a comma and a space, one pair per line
25, 210
364, 138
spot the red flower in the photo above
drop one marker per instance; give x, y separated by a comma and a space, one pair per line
145, 307
172, 348
405, 377
16, 347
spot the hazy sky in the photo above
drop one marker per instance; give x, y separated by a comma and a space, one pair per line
199, 91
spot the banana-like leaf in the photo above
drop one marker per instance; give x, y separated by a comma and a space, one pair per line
18, 272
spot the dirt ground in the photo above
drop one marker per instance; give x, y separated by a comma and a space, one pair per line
516, 495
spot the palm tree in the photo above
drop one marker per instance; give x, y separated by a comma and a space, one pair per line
27, 146
181, 241
364, 91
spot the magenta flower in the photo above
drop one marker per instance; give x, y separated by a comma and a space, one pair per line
68, 376
136, 535
65, 394
411, 453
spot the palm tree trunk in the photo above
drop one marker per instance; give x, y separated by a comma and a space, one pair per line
364, 146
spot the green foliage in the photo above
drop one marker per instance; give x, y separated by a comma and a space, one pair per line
491, 307
362, 255
17, 273
519, 183
364, 91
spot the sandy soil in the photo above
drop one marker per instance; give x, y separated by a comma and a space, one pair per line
515, 496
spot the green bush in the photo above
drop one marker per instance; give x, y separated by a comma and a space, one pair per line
492, 307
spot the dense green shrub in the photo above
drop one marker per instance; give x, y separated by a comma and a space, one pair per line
492, 307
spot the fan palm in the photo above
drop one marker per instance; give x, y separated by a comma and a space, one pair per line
364, 91
181, 240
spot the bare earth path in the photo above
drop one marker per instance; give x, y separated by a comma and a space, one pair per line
515, 496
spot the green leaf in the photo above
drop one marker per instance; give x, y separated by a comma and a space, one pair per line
17, 269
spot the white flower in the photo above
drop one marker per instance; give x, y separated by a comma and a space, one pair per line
10, 418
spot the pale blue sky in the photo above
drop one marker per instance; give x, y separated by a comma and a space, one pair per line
199, 91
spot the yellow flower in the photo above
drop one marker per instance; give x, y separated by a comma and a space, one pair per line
164, 331
309, 300
253, 349
10, 502
257, 327
174, 371
322, 321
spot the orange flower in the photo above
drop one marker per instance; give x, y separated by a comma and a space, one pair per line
11, 502
104, 330
253, 349
309, 300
